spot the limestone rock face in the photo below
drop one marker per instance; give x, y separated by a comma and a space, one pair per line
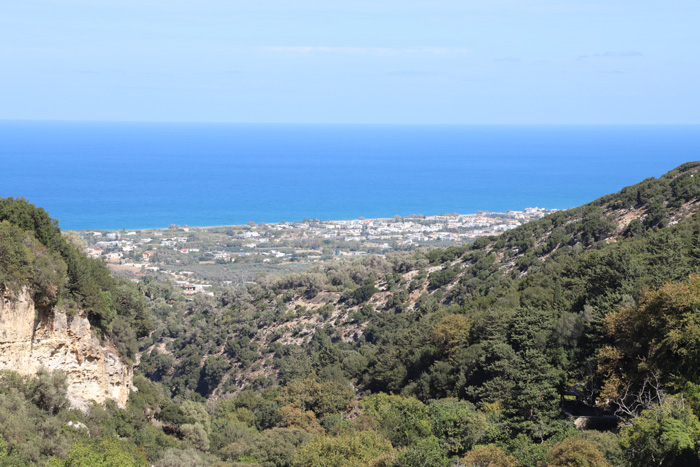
31, 338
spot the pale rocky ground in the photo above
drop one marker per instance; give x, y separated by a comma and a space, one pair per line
32, 338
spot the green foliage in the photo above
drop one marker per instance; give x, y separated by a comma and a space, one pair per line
427, 451
34, 254
575, 452
402, 420
195, 434
660, 334
182, 458
663, 435
7, 458
24, 262
32, 432
349, 449
213, 372
488, 456
608, 443
506, 324
451, 334
360, 295
15, 257
441, 278
321, 398
302, 366
105, 452
48, 390
277, 446
457, 424
527, 452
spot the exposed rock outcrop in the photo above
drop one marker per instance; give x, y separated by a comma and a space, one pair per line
31, 338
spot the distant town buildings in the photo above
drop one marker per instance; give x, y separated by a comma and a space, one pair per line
160, 252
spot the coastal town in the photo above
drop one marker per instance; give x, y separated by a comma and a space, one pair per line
201, 259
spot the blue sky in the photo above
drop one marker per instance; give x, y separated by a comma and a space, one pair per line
380, 61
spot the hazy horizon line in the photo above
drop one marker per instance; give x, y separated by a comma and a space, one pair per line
223, 122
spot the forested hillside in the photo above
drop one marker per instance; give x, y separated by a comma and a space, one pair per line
443, 357
34, 254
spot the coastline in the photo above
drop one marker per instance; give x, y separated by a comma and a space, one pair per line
527, 213
145, 177
200, 257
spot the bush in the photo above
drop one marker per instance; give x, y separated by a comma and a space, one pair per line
360, 295
403, 420
106, 452
488, 456
47, 389
349, 449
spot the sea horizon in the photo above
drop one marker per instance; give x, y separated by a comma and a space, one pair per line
143, 175
307, 219
338, 123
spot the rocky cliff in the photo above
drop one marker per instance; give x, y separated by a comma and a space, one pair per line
32, 337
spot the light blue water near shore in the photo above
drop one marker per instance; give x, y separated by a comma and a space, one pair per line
144, 175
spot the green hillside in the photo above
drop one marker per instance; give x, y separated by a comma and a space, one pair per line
455, 356
35, 256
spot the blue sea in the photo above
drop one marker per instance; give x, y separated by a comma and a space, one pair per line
150, 175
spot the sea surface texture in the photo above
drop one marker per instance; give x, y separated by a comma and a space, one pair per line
148, 175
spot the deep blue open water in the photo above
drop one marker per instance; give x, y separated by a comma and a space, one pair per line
146, 175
